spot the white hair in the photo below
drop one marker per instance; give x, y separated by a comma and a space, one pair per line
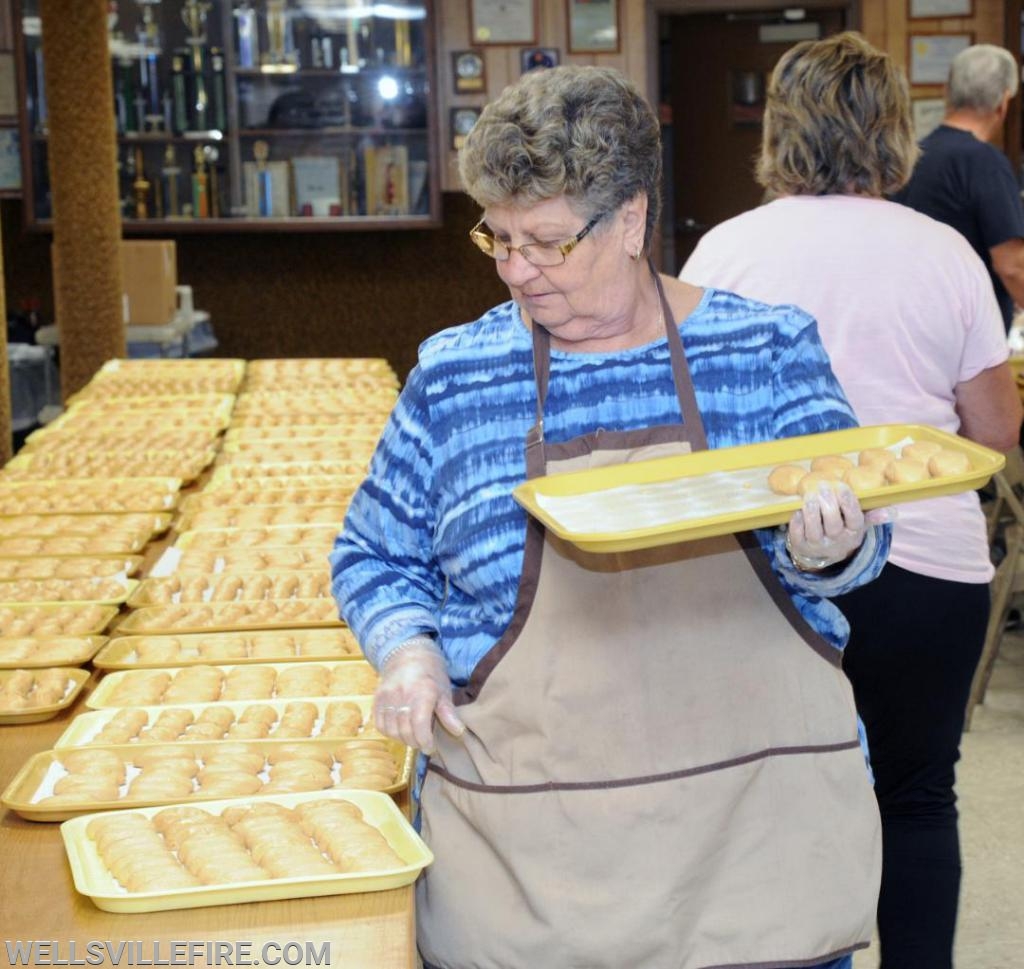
981, 76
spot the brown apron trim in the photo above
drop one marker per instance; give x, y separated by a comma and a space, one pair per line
774, 964
761, 565
644, 779
616, 440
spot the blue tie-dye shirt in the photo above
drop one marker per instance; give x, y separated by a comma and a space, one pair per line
433, 540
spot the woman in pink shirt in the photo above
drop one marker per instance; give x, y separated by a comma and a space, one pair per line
907, 313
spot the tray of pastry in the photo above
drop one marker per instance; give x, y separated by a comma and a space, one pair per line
279, 472
256, 516
111, 592
308, 845
269, 646
292, 450
355, 431
674, 499
233, 682
24, 620
342, 718
69, 567
208, 407
214, 617
283, 420
57, 784
357, 400
102, 545
212, 561
222, 483
266, 536
136, 422
135, 524
28, 652
88, 496
124, 440
246, 496
234, 587
115, 464
33, 695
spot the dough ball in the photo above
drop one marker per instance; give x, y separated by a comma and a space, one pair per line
784, 479
906, 471
947, 463
811, 483
875, 457
921, 451
865, 477
831, 465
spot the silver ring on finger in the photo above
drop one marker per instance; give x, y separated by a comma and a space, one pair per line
403, 709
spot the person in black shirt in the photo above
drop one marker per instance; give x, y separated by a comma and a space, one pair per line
967, 183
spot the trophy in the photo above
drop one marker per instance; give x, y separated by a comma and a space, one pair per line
179, 96
200, 185
281, 56
220, 105
264, 180
140, 186
403, 44
210, 155
152, 117
193, 13
248, 35
169, 176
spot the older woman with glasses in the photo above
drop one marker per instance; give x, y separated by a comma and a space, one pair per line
647, 758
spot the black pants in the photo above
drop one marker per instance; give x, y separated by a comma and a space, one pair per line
914, 644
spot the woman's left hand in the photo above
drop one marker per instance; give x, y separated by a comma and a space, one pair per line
829, 527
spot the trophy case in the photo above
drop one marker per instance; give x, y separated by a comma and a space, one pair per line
258, 114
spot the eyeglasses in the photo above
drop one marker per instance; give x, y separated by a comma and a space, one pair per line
535, 253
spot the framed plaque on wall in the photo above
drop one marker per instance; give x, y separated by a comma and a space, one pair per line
931, 54
593, 26
930, 9
503, 21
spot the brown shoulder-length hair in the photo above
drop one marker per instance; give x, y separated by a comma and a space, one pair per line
837, 121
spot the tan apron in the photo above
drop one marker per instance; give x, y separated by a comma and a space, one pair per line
660, 767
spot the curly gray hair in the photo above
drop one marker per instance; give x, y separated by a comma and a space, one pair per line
980, 77
583, 132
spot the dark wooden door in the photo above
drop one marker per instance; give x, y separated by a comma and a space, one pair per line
719, 71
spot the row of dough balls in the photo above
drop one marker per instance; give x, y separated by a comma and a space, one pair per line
255, 418
98, 524
28, 689
173, 773
210, 684
279, 536
358, 430
276, 647
20, 621
109, 543
111, 464
875, 467
234, 587
46, 499
186, 847
125, 439
149, 385
47, 651
328, 514
61, 590
298, 721
57, 567
246, 497
233, 615
299, 469
249, 559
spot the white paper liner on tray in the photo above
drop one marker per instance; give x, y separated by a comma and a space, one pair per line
94, 879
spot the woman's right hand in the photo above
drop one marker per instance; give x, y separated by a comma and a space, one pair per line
414, 688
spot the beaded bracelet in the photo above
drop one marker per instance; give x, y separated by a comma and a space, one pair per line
421, 641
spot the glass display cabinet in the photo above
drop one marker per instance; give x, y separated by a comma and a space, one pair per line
250, 114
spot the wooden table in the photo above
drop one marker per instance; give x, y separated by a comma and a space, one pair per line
38, 900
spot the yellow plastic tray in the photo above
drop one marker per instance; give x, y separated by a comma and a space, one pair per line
83, 728
261, 536
215, 617
356, 671
69, 566
92, 878
122, 653
716, 479
102, 618
77, 678
89, 496
35, 780
38, 653
127, 587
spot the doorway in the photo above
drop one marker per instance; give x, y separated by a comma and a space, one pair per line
714, 72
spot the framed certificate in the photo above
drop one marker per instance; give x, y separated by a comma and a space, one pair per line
930, 55
593, 26
503, 22
928, 114
930, 9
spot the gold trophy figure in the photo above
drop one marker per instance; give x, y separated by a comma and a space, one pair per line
280, 56
140, 187
211, 154
170, 172
200, 185
193, 13
403, 44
